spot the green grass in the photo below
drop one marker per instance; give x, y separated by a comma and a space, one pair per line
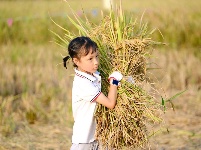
178, 21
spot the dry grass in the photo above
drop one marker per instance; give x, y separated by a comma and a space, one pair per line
183, 124
38, 136
33, 89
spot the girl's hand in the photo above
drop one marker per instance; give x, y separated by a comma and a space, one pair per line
116, 76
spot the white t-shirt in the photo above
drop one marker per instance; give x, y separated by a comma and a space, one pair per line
86, 88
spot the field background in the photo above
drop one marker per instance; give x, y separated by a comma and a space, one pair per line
35, 92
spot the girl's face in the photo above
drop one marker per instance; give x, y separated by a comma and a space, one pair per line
88, 63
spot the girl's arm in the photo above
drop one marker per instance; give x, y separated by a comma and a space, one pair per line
110, 100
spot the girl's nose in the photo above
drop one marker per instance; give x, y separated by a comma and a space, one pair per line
96, 61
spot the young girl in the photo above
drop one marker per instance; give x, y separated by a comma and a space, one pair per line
86, 91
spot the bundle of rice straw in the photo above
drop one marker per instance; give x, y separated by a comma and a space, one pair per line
123, 46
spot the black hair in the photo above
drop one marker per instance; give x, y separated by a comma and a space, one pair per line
80, 46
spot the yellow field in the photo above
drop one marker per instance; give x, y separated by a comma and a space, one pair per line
35, 92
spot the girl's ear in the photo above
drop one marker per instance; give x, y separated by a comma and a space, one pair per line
75, 60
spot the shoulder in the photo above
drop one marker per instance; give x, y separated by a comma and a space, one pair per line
84, 89
83, 84
81, 81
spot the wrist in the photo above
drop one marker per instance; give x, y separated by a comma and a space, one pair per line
114, 82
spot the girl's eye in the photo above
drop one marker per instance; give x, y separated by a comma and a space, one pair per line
90, 58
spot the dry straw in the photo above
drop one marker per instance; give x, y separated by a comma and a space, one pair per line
124, 45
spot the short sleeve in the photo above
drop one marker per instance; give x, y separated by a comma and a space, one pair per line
88, 91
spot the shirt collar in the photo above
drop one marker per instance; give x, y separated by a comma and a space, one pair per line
81, 74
